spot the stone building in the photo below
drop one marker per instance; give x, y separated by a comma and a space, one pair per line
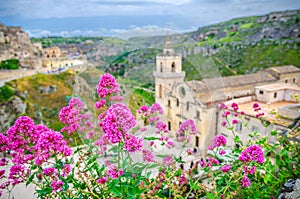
198, 100
16, 44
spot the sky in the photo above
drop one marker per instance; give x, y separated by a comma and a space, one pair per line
128, 17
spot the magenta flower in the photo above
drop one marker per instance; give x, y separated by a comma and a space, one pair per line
100, 103
222, 152
224, 123
225, 113
235, 106
188, 126
211, 161
2, 173
3, 161
117, 122
66, 170
218, 141
189, 151
22, 134
249, 170
223, 106
114, 173
3, 143
252, 153
148, 156
56, 185
72, 117
102, 180
183, 179
168, 160
133, 144
156, 108
18, 174
170, 144
235, 121
143, 109
49, 143
226, 168
245, 181
49, 171
107, 85
161, 127
255, 105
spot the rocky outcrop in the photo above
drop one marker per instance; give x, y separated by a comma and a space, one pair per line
9, 111
290, 190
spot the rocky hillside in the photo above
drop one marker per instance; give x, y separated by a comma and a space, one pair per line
238, 46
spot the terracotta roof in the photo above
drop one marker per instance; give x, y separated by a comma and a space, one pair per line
279, 86
231, 81
284, 69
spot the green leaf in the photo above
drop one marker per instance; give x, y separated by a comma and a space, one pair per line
178, 160
44, 191
210, 195
236, 138
161, 156
30, 179
274, 132
267, 178
151, 138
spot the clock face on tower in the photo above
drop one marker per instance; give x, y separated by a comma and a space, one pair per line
182, 91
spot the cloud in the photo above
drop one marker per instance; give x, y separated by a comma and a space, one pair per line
79, 8
143, 31
113, 16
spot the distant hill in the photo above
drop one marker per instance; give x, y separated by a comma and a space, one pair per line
238, 46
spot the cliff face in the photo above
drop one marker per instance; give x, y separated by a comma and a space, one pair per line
9, 111
15, 44
273, 26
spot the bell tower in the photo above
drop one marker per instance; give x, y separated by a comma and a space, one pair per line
168, 71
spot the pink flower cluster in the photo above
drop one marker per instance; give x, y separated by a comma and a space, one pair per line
218, 141
132, 143
73, 119
226, 168
226, 112
161, 127
148, 156
188, 127
117, 122
107, 87
114, 173
249, 170
56, 185
252, 153
168, 160
51, 143
245, 181
143, 110
211, 161
257, 109
30, 144
102, 180
156, 108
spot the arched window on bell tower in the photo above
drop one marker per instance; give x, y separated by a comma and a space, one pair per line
161, 67
173, 67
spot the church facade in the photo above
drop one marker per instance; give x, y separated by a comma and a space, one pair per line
199, 100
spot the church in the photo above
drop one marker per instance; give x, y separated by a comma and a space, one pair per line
199, 100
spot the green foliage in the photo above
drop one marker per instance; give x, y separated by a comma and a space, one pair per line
6, 92
246, 26
9, 64
146, 95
